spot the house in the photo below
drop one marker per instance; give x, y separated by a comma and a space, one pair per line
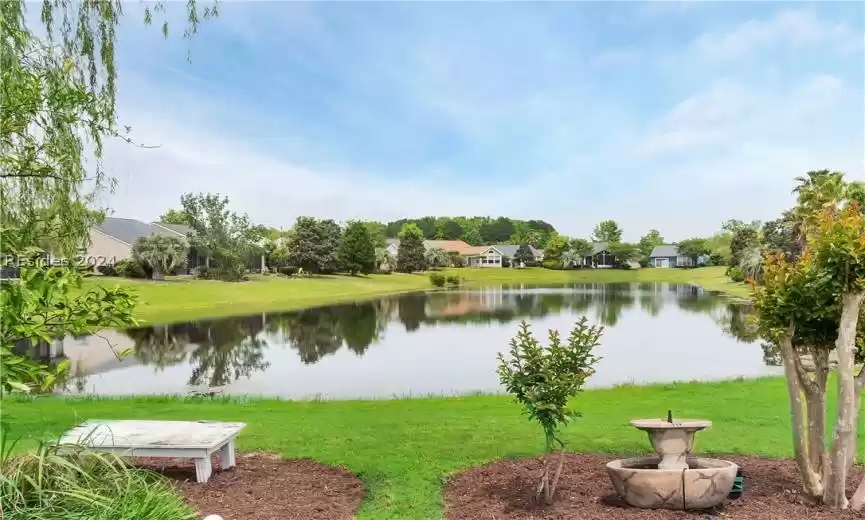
667, 255
600, 257
112, 240
448, 246
498, 255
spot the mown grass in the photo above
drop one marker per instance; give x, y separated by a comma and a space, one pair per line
404, 449
182, 299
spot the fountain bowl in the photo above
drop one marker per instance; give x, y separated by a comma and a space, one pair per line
704, 484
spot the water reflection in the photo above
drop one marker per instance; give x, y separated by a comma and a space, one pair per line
218, 353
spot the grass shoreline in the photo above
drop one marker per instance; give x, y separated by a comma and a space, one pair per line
178, 300
404, 449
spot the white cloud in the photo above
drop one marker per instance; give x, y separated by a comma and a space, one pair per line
791, 28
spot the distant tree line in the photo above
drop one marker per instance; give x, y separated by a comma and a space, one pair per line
476, 231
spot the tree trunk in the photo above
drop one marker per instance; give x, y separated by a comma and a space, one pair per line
813, 484
815, 401
843, 441
157, 275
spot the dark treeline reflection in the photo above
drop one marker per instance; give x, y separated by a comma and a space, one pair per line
225, 350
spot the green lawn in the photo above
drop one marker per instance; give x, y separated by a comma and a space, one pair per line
185, 299
403, 449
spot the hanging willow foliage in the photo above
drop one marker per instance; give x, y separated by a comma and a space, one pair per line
58, 87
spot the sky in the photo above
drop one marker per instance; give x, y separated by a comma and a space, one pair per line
674, 116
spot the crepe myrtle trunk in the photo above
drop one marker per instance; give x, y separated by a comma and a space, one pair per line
844, 437
812, 475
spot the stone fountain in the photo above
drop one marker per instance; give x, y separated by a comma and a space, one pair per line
675, 479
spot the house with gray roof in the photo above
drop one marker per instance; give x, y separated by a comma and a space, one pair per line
667, 255
111, 241
498, 255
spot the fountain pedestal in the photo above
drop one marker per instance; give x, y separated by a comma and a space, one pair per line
673, 441
675, 480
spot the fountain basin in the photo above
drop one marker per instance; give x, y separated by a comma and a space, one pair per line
704, 484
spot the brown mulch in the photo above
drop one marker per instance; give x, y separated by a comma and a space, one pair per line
502, 490
265, 487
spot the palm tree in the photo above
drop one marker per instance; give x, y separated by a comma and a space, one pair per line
436, 257
162, 254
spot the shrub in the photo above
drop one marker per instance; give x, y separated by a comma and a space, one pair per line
45, 484
438, 280
130, 269
625, 266
736, 274
231, 273
288, 270
552, 264
544, 379
453, 280
716, 259
106, 270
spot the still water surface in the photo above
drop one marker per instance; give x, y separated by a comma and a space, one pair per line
426, 343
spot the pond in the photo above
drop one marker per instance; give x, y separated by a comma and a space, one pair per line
436, 343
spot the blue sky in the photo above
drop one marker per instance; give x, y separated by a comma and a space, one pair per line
675, 116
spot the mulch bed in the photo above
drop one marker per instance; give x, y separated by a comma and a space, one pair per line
265, 487
502, 490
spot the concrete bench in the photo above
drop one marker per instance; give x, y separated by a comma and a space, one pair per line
196, 440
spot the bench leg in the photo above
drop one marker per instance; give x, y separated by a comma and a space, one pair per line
226, 456
203, 469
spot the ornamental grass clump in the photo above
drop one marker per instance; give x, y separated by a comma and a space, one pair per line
75, 484
543, 379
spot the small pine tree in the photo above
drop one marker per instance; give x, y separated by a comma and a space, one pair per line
356, 249
410, 255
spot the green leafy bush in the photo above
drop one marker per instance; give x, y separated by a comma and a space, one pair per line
288, 270
107, 270
716, 259
453, 280
230, 273
45, 484
437, 279
552, 264
736, 274
544, 379
129, 269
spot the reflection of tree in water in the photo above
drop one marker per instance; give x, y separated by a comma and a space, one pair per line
737, 322
228, 349
314, 333
225, 349
160, 345
359, 325
412, 310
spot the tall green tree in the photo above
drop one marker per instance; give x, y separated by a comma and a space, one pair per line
225, 237
356, 249
650, 241
174, 216
693, 248
451, 230
624, 252
581, 247
607, 231
314, 245
744, 238
377, 232
556, 247
411, 252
